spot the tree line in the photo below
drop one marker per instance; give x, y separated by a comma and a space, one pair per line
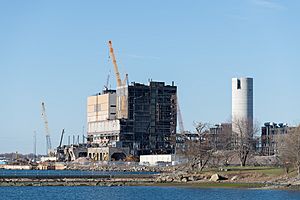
212, 147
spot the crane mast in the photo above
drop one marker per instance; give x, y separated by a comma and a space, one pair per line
48, 140
106, 86
180, 120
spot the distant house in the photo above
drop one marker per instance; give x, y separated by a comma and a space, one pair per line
3, 161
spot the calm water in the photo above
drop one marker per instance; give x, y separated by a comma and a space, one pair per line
141, 192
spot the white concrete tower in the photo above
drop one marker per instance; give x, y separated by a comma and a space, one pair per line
242, 102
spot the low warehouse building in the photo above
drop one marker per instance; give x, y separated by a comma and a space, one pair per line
157, 159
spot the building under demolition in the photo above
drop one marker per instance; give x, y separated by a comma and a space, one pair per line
272, 135
139, 117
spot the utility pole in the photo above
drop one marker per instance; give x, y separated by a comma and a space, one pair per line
34, 146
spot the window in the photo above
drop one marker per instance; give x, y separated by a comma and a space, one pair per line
238, 84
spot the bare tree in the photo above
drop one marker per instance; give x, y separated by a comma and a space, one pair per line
289, 150
219, 138
243, 132
197, 149
222, 157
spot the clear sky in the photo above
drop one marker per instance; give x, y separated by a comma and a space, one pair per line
56, 51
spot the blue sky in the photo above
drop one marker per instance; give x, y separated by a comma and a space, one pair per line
56, 51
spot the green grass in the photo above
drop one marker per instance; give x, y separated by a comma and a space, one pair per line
229, 185
268, 171
209, 185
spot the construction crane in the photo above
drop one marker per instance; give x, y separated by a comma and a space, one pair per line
180, 120
106, 86
113, 57
48, 140
122, 97
111, 51
60, 150
61, 137
125, 81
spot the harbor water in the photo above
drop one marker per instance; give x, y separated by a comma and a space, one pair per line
142, 192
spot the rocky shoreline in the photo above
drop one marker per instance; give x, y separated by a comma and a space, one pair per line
72, 182
116, 180
165, 179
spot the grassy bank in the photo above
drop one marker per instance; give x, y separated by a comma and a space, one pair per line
206, 185
270, 171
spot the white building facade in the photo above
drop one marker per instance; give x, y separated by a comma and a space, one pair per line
102, 124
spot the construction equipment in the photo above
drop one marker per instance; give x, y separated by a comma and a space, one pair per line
61, 137
60, 156
121, 99
180, 120
125, 81
106, 86
111, 51
117, 73
48, 140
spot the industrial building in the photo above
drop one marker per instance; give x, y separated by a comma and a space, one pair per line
101, 118
154, 160
272, 135
107, 153
139, 117
135, 119
242, 103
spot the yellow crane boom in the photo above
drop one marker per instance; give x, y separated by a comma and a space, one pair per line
111, 51
121, 96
